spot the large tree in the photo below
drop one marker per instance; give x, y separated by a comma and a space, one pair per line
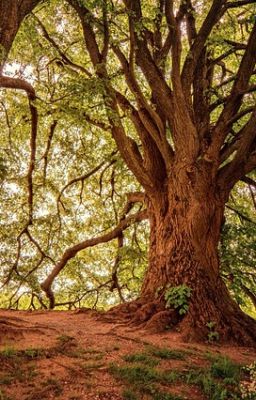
176, 81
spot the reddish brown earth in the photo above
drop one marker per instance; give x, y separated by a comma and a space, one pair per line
66, 355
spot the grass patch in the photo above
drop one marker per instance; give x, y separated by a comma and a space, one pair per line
204, 380
168, 354
141, 358
219, 382
30, 353
224, 368
135, 374
63, 339
79, 352
92, 365
142, 375
8, 352
144, 380
33, 353
15, 367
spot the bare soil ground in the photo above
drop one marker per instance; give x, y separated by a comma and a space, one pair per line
74, 355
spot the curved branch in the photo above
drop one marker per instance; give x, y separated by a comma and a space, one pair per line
64, 58
73, 250
80, 179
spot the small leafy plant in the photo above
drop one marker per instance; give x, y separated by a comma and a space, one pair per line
213, 335
178, 297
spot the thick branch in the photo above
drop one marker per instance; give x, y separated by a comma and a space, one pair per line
161, 91
234, 101
192, 58
157, 156
89, 35
12, 14
73, 250
240, 3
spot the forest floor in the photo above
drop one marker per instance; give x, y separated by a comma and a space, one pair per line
78, 355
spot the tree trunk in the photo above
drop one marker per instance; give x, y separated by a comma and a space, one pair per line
185, 223
12, 14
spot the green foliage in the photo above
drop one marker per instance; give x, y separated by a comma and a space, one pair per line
209, 387
32, 353
215, 390
224, 368
238, 248
9, 352
136, 374
167, 354
178, 297
219, 381
141, 357
144, 380
142, 374
29, 353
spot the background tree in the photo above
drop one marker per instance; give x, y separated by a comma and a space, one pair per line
174, 85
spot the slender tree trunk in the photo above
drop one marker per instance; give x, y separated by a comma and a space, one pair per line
185, 221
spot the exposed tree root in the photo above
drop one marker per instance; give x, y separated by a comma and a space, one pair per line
17, 328
238, 328
9, 330
152, 315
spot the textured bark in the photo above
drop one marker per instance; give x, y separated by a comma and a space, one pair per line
187, 179
12, 14
184, 250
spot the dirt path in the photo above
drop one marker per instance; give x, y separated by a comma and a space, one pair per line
73, 355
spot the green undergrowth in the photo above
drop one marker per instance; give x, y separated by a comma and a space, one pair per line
155, 373
141, 358
168, 354
30, 353
20, 367
142, 375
